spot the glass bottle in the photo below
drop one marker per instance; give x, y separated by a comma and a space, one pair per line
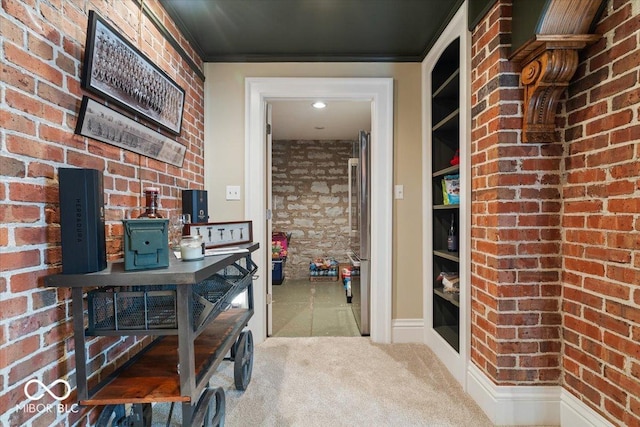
151, 203
452, 238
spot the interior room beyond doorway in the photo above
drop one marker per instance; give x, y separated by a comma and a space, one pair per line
310, 204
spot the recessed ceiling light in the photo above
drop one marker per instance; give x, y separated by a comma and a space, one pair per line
318, 127
319, 105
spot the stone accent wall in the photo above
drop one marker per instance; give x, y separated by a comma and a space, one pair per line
310, 200
42, 47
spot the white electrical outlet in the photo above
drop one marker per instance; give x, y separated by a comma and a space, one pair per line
233, 192
399, 192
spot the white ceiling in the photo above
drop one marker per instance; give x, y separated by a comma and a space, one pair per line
340, 120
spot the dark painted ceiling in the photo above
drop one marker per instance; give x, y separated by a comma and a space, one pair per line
311, 30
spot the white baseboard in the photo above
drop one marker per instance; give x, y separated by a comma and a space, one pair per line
574, 413
407, 331
514, 405
530, 405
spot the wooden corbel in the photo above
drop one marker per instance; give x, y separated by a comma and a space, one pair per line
548, 64
549, 61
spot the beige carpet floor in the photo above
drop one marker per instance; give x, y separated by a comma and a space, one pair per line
344, 381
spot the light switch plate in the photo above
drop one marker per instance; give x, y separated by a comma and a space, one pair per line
399, 192
233, 192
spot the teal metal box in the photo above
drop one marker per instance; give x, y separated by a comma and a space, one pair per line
146, 243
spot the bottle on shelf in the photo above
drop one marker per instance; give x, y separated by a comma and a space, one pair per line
452, 237
151, 203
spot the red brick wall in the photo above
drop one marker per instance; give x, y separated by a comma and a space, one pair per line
515, 222
556, 227
42, 47
601, 220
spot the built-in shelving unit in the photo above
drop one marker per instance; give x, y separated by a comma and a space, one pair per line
445, 113
445, 77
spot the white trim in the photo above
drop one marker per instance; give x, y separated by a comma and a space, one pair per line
379, 91
407, 331
530, 405
574, 413
456, 362
514, 405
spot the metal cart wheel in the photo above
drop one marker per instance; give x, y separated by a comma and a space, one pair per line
210, 409
243, 360
116, 416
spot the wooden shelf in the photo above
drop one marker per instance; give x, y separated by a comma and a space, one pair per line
448, 296
452, 256
447, 89
447, 171
152, 375
444, 207
448, 122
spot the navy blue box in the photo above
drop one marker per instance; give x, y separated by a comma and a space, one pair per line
277, 271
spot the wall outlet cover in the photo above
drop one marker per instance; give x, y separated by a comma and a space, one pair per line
233, 192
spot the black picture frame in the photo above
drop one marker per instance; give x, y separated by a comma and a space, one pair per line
117, 71
99, 122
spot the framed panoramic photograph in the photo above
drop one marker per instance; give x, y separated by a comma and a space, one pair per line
221, 234
116, 70
101, 123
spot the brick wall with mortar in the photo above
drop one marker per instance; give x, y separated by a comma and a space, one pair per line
42, 47
310, 200
556, 227
516, 322
601, 220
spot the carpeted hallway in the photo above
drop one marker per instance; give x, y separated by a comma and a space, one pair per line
343, 381
317, 370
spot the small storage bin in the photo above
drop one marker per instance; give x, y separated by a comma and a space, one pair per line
322, 270
112, 309
277, 271
146, 243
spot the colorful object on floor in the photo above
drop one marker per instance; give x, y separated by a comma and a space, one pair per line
323, 269
279, 244
279, 252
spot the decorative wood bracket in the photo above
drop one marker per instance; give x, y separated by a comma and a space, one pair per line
548, 64
549, 61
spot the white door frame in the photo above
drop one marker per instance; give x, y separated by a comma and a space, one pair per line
379, 91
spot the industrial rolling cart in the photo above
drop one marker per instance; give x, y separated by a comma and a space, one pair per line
193, 313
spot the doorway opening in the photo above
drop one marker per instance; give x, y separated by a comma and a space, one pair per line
377, 91
313, 233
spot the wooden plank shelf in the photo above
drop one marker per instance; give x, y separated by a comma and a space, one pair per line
451, 256
447, 171
152, 375
448, 296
